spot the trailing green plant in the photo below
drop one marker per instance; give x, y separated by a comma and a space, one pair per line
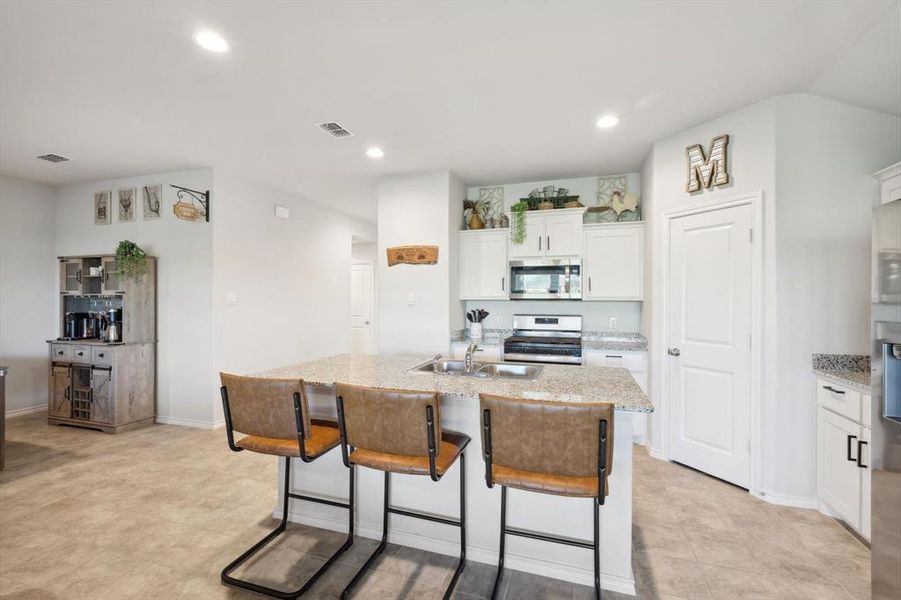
130, 259
518, 224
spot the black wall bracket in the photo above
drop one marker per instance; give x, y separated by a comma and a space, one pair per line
202, 197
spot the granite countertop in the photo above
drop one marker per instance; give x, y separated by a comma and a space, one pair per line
559, 383
619, 341
850, 370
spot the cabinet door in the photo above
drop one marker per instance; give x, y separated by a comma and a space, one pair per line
534, 244
865, 484
614, 263
60, 394
111, 282
101, 396
840, 478
563, 235
70, 276
483, 266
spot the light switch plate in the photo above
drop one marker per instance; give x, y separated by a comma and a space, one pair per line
411, 299
613, 324
282, 212
231, 298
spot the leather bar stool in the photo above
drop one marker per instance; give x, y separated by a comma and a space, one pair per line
555, 448
399, 431
275, 418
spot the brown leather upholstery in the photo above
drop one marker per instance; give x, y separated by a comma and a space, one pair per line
323, 437
388, 431
265, 407
550, 447
452, 444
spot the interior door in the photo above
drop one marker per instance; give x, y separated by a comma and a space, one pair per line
709, 333
361, 308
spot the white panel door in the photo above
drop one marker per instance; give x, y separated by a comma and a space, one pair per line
563, 235
709, 329
361, 308
483, 265
614, 263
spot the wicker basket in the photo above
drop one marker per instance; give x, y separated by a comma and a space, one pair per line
545, 206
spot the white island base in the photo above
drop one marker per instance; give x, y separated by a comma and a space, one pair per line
570, 517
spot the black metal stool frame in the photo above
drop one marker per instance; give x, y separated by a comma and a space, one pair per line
288, 495
602, 488
388, 509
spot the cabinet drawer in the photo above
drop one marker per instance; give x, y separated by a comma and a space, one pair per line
60, 352
839, 399
634, 361
102, 356
81, 354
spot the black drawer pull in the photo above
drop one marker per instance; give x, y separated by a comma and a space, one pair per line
60, 352
100, 354
860, 444
829, 388
851, 439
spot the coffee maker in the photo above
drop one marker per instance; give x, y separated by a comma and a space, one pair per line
114, 325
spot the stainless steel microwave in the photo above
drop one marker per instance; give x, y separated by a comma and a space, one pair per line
546, 279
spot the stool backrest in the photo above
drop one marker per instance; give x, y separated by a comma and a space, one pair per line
386, 420
556, 438
264, 407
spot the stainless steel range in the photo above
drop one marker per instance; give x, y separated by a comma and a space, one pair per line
545, 339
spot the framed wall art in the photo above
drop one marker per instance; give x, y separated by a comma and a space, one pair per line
152, 196
103, 208
127, 205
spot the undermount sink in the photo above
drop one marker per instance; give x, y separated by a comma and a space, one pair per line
480, 369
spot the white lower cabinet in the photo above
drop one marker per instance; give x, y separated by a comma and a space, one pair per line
637, 364
843, 475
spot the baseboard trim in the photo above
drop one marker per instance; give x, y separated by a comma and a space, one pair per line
197, 424
655, 453
28, 410
787, 500
614, 583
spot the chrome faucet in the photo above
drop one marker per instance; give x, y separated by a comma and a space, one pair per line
435, 360
467, 360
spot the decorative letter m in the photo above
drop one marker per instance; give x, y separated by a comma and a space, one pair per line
706, 171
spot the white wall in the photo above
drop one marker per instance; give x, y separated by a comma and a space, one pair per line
291, 278
826, 152
184, 282
413, 210
812, 159
595, 315
28, 290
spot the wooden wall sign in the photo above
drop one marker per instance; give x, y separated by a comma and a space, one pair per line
712, 169
412, 255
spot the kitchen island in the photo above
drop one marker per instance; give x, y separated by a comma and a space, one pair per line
570, 517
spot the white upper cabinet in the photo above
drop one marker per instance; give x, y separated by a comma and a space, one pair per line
551, 233
614, 262
483, 264
889, 183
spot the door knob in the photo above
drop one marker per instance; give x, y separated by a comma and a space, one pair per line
673, 351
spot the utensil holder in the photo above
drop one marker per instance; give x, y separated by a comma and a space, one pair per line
475, 331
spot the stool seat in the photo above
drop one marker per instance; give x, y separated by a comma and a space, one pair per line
452, 443
561, 485
324, 435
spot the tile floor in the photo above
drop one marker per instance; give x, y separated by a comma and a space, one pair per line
157, 512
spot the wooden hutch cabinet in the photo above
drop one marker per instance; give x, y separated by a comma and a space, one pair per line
96, 383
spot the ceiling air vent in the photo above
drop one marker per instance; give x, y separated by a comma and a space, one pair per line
334, 129
54, 158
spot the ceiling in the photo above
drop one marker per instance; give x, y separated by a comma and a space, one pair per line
494, 91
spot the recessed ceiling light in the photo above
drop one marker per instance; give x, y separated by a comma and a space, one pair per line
607, 121
210, 40
375, 152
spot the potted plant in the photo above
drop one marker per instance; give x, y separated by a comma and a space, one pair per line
131, 259
518, 224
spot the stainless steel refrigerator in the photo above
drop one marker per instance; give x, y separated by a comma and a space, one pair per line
885, 450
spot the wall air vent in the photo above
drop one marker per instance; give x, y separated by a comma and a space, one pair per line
54, 158
334, 129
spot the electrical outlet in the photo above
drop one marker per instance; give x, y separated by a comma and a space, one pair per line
411, 299
613, 325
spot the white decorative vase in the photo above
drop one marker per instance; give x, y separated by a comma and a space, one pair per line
475, 332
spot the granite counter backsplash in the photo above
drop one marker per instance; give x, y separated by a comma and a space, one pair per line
852, 370
591, 340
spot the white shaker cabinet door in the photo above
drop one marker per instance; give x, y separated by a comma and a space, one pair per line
839, 477
614, 263
533, 246
483, 265
563, 235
